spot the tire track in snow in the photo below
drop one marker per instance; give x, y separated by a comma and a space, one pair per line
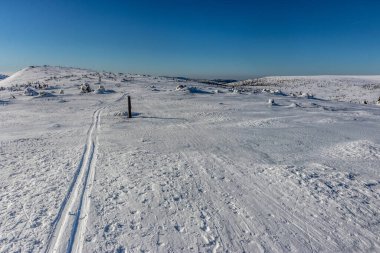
70, 224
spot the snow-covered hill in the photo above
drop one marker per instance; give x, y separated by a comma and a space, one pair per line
199, 167
340, 88
48, 74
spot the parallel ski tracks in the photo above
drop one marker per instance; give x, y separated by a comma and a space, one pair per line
69, 227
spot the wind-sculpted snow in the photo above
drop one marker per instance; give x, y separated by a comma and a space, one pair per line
190, 172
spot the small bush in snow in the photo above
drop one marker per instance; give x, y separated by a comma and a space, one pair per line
85, 88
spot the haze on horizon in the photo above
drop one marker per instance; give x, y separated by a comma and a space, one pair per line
200, 39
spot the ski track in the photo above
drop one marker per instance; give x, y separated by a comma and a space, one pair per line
70, 225
191, 172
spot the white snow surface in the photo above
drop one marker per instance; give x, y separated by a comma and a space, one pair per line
190, 172
355, 89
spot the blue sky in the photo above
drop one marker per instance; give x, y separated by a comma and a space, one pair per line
226, 39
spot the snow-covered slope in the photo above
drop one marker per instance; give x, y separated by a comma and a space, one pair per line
194, 170
340, 88
48, 74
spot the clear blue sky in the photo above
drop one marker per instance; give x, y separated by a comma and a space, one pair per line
227, 39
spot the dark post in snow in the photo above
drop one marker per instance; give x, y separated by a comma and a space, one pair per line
129, 107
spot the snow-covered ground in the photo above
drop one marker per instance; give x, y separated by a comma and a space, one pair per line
194, 170
355, 89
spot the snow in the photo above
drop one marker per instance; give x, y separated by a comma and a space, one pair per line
192, 171
2, 76
355, 89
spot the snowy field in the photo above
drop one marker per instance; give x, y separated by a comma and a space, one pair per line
355, 89
197, 169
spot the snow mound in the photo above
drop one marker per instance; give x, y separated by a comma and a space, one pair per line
293, 105
191, 89
29, 91
102, 90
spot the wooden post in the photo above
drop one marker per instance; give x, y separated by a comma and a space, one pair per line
129, 107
